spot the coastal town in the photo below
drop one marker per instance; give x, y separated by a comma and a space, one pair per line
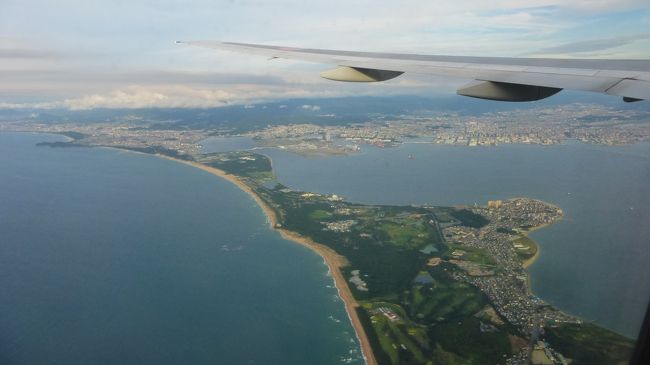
590, 124
117, 135
508, 289
540, 126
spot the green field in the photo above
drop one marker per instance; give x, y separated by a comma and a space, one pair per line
477, 255
465, 340
531, 247
589, 344
469, 219
399, 339
246, 164
409, 235
445, 299
319, 214
437, 325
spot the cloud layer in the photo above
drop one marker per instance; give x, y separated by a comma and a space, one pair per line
86, 54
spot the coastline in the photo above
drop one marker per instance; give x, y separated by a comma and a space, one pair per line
333, 260
530, 261
526, 264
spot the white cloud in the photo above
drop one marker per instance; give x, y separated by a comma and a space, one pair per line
593, 45
209, 96
92, 53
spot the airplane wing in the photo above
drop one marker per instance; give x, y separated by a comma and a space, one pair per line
496, 78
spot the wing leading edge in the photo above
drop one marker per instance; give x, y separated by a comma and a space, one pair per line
496, 78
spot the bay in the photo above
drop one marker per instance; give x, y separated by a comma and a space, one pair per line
593, 263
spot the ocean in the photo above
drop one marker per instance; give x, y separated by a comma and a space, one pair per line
112, 257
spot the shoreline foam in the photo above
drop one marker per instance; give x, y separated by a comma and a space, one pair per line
333, 260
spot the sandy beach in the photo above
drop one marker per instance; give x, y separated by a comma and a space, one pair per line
528, 262
333, 260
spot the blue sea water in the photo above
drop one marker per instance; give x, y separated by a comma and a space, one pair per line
226, 144
110, 257
594, 263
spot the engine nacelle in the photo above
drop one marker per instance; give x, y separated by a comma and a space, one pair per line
359, 74
503, 91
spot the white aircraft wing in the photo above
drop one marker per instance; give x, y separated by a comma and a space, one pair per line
496, 78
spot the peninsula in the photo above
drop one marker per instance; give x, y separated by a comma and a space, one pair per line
427, 284
421, 284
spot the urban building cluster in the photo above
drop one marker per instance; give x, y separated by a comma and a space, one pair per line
543, 126
506, 282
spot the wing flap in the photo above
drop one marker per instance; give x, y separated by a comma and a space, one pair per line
632, 89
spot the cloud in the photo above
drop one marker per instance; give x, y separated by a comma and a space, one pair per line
25, 53
42, 105
210, 96
136, 97
593, 45
70, 75
93, 53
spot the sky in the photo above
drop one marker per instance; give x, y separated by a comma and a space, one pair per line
84, 54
